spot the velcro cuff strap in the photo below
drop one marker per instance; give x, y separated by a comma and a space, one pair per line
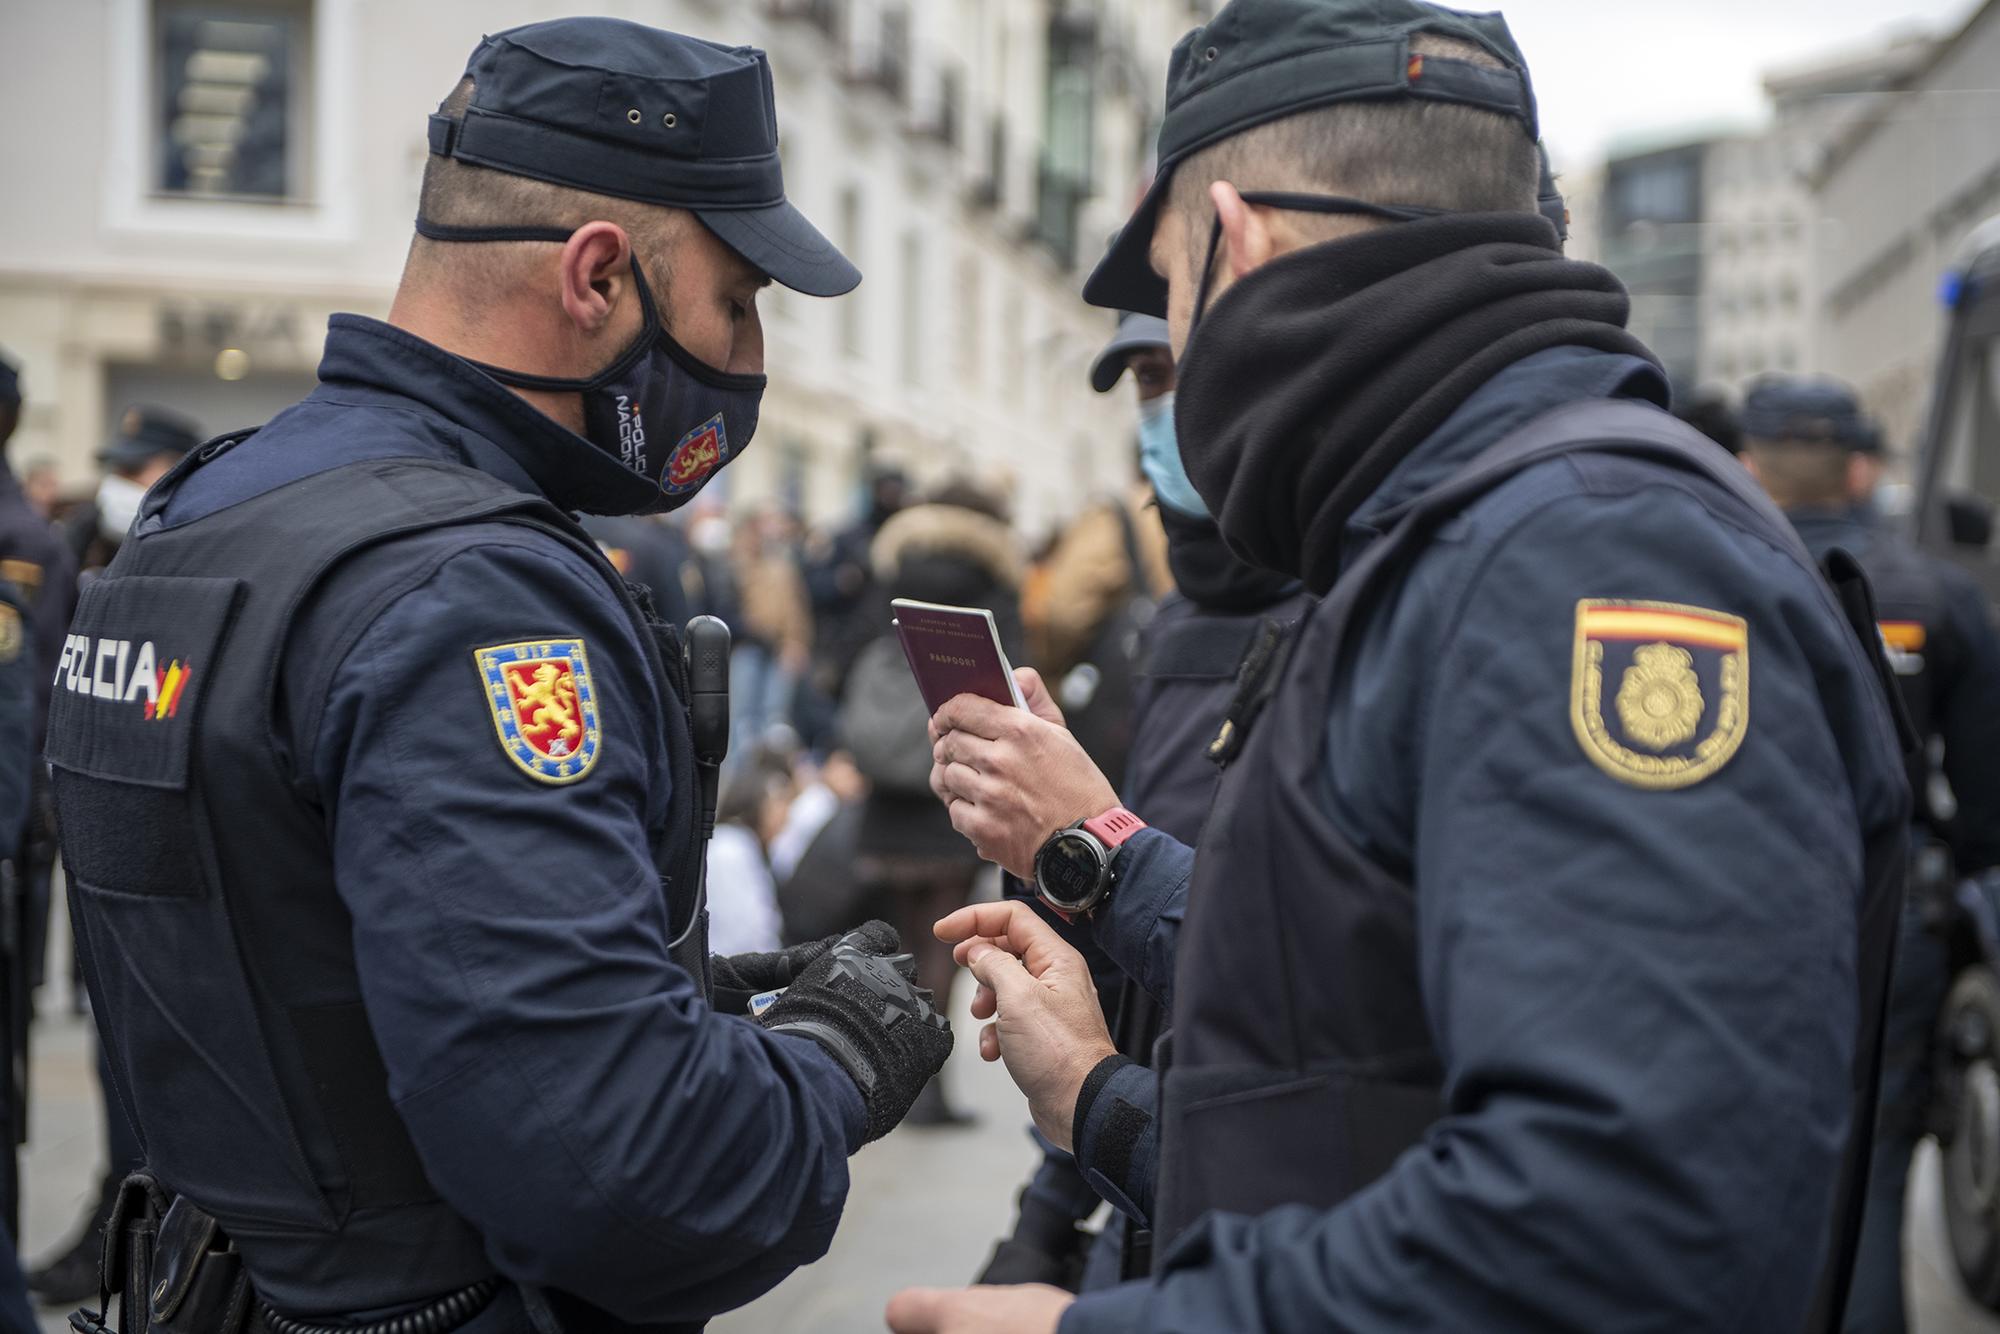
837, 1046
1093, 1084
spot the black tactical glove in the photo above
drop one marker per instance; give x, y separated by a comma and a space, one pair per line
869, 1013
1046, 1247
738, 977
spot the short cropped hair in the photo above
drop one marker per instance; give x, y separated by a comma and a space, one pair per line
1801, 474
460, 194
1409, 151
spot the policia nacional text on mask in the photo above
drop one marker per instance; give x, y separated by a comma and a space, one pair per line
383, 871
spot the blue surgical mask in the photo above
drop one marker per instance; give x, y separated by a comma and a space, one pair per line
1160, 458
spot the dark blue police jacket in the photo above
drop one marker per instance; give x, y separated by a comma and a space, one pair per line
566, 1088
19, 677
1640, 999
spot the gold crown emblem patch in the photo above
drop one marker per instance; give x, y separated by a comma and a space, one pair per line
1681, 702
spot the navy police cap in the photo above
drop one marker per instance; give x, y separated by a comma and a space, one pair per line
622, 109
148, 432
1262, 60
10, 382
1808, 408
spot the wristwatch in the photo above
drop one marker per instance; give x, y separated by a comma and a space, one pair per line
1073, 869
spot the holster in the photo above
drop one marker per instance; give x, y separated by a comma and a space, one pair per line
171, 1267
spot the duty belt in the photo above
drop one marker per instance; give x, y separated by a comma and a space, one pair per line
176, 1272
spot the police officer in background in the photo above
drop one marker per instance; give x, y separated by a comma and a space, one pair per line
32, 556
1527, 977
19, 763
378, 791
35, 561
150, 441
1187, 661
1808, 442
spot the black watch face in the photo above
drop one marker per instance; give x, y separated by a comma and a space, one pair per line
1070, 871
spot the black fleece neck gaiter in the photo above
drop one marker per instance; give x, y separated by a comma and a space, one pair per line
1213, 577
1307, 381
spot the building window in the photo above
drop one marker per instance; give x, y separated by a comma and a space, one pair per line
912, 322
232, 98
1069, 102
850, 242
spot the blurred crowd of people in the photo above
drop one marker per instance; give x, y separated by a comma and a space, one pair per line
826, 815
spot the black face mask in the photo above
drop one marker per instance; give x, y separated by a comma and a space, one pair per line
1301, 203
657, 408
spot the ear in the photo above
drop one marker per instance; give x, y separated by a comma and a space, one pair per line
1859, 476
1246, 234
595, 264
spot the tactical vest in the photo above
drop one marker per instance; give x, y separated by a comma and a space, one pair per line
1302, 1079
217, 950
1185, 678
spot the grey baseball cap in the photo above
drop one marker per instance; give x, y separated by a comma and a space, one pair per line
1262, 60
1135, 332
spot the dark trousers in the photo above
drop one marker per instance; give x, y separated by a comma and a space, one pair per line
1875, 1305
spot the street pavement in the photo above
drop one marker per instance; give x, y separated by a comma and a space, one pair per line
925, 1207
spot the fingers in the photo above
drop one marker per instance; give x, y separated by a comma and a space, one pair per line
918, 1310
977, 715
984, 1003
968, 784
979, 919
1011, 925
967, 749
1036, 692
1001, 973
989, 1042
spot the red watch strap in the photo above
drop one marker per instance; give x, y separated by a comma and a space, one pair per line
1114, 826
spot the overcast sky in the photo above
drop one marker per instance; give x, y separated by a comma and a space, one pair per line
1609, 68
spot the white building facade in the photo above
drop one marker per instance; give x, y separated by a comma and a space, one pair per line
223, 174
1899, 193
1763, 241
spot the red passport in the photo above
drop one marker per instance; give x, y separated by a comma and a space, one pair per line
955, 651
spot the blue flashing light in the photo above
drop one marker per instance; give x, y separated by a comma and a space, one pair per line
1952, 289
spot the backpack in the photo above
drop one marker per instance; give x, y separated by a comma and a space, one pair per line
884, 723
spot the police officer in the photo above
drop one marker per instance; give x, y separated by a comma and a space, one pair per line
1808, 442
18, 764
1186, 667
32, 557
1530, 965
34, 560
150, 441
379, 794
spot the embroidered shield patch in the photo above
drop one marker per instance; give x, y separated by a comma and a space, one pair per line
544, 706
1659, 692
696, 455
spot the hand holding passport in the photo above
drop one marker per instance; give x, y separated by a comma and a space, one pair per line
955, 651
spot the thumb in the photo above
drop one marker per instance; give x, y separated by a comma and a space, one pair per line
1002, 973
917, 1311
1035, 693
